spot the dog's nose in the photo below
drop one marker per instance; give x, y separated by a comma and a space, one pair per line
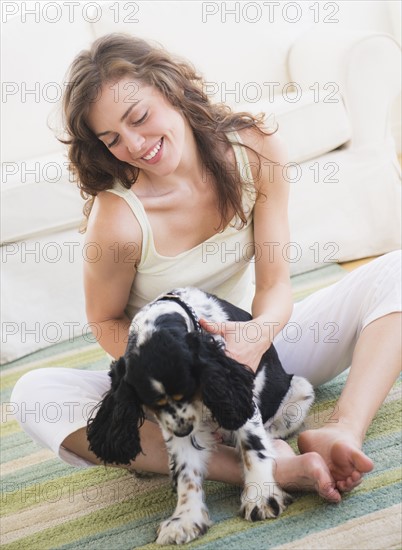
182, 432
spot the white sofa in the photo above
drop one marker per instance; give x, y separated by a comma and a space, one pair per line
345, 190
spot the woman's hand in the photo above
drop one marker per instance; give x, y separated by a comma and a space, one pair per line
244, 340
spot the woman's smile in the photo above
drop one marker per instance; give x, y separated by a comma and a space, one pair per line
154, 153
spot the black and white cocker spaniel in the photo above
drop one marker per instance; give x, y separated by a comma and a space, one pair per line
182, 374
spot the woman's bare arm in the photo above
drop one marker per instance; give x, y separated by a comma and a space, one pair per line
113, 245
272, 304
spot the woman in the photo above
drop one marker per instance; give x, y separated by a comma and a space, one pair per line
181, 193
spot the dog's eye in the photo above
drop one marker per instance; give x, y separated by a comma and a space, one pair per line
177, 397
161, 402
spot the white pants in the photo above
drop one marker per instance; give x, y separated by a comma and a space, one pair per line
317, 343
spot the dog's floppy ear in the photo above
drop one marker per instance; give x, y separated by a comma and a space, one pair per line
226, 385
113, 433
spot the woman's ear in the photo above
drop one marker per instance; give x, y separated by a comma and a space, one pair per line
113, 433
226, 385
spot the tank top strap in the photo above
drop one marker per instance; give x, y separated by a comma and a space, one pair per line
138, 210
241, 158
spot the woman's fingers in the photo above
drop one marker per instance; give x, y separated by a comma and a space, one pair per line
213, 328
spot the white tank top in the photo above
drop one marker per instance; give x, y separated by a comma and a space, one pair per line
221, 265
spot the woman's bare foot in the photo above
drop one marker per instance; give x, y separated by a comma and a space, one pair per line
307, 472
341, 452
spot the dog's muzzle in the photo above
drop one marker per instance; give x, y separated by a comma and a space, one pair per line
184, 431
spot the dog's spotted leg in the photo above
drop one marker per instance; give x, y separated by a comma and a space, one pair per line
188, 459
262, 497
293, 409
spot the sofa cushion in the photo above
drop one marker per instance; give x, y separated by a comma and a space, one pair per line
312, 124
42, 295
36, 208
343, 206
42, 298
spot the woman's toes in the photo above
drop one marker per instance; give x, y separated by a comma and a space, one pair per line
330, 492
350, 482
344, 485
356, 477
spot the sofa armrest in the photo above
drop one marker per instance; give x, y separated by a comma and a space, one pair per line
364, 66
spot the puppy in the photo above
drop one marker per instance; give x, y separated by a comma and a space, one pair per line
181, 374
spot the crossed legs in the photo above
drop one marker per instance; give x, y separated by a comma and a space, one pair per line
307, 472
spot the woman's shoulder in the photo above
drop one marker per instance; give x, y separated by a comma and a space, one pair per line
265, 151
111, 221
265, 143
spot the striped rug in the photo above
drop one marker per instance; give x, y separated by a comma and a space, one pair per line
48, 504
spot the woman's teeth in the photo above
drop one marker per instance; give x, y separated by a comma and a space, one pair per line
154, 151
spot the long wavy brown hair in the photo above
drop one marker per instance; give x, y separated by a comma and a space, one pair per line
116, 56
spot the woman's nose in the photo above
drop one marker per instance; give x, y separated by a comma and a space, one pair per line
134, 143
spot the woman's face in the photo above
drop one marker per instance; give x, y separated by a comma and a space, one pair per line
139, 126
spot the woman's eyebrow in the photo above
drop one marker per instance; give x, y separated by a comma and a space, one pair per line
125, 115
134, 104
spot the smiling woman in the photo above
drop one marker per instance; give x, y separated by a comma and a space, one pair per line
118, 91
178, 189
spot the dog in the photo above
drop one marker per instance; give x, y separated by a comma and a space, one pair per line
182, 374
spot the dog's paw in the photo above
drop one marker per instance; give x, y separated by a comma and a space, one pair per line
268, 504
180, 529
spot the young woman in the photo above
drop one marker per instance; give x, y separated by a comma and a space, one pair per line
183, 192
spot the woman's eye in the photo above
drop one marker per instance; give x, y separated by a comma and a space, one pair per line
141, 119
136, 123
109, 145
